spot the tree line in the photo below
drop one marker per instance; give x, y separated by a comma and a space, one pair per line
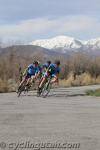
12, 65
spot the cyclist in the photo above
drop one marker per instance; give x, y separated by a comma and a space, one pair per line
52, 71
46, 65
31, 73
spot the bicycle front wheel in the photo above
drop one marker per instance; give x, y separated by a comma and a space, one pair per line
20, 90
46, 89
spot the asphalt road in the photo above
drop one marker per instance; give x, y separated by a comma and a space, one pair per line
67, 118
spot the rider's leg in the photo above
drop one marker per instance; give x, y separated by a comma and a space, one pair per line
43, 79
24, 79
54, 79
28, 81
42, 82
32, 79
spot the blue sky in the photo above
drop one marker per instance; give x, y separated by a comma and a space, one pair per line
27, 20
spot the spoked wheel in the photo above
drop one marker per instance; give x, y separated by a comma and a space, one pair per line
46, 89
27, 88
39, 91
20, 90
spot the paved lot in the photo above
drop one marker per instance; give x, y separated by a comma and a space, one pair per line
65, 116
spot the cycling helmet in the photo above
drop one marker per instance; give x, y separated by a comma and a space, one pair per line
36, 62
57, 62
49, 62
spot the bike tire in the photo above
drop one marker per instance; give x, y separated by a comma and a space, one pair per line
20, 90
39, 91
46, 89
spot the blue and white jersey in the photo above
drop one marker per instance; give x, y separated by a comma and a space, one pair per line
32, 69
46, 65
53, 69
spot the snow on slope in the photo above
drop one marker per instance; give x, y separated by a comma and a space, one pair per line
66, 43
57, 42
94, 43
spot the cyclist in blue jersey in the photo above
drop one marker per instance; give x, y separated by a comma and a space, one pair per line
52, 71
45, 66
31, 73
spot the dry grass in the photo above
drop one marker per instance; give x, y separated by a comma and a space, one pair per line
3, 86
68, 82
7, 86
86, 79
98, 80
83, 79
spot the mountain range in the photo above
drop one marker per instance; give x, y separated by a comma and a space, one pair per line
50, 48
65, 44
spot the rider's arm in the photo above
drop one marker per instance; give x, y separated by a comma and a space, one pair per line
37, 75
38, 71
48, 68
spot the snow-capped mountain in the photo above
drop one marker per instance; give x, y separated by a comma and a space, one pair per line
59, 41
65, 44
93, 43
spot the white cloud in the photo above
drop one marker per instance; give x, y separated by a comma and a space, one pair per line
44, 26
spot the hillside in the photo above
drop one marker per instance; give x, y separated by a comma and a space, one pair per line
28, 51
